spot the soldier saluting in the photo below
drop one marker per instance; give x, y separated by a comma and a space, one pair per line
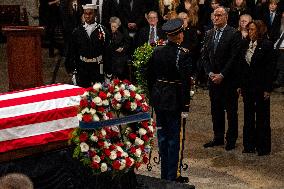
88, 50
168, 78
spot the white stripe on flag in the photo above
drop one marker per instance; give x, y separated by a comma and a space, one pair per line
37, 91
38, 129
38, 107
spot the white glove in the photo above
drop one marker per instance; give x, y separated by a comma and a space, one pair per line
184, 114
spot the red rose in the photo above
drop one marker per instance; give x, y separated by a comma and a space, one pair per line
150, 134
127, 105
102, 95
107, 152
126, 82
102, 157
118, 154
145, 138
111, 89
95, 165
84, 103
137, 165
93, 105
144, 124
114, 102
132, 94
101, 109
145, 108
116, 164
145, 159
132, 136
138, 103
112, 147
128, 162
132, 150
120, 144
121, 92
143, 97
116, 81
109, 114
92, 153
83, 137
101, 143
142, 148
87, 117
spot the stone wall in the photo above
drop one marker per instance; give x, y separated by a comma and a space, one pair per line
30, 5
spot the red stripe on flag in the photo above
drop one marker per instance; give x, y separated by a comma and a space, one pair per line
41, 97
30, 89
38, 117
35, 140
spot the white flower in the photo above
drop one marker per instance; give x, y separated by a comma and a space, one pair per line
80, 117
117, 97
122, 87
118, 148
191, 93
138, 141
126, 93
97, 159
108, 94
94, 138
103, 167
84, 147
86, 93
142, 131
132, 87
97, 86
133, 106
105, 102
98, 101
106, 144
118, 106
138, 152
103, 132
96, 117
116, 88
122, 164
151, 128
124, 154
105, 117
132, 161
128, 144
113, 155
138, 97
85, 110
92, 111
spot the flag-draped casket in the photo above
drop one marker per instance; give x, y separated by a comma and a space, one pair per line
38, 116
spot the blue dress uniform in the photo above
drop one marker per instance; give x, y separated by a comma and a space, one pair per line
168, 77
89, 55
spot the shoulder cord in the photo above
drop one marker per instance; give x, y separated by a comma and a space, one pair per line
177, 59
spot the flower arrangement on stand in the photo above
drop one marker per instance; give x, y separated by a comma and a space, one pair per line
114, 149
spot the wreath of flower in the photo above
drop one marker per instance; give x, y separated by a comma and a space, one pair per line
112, 149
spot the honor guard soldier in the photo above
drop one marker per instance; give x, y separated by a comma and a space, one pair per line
88, 51
168, 78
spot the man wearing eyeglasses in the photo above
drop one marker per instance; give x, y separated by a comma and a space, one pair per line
220, 55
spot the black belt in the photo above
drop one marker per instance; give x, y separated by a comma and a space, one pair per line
169, 82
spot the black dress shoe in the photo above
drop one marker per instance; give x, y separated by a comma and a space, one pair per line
248, 151
230, 146
213, 143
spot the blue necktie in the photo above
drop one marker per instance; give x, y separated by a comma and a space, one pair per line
216, 38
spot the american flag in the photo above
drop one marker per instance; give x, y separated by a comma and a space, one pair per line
38, 116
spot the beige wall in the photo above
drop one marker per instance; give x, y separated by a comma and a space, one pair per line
30, 5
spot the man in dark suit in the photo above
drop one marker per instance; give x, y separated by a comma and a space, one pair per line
151, 33
168, 78
220, 54
272, 19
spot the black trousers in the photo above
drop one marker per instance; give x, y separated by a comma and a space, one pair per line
88, 74
256, 131
224, 98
